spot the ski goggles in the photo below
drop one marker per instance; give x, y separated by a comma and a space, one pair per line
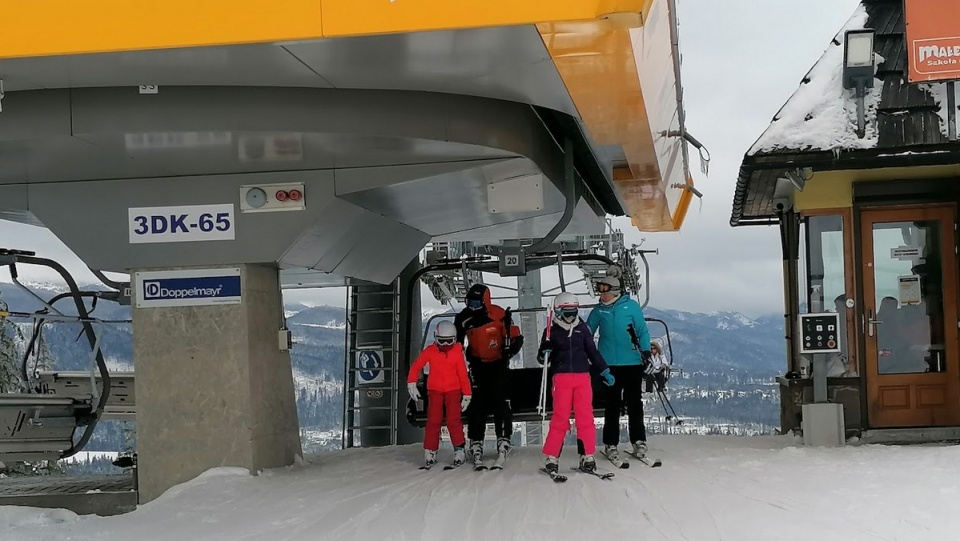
602, 287
447, 341
567, 312
474, 303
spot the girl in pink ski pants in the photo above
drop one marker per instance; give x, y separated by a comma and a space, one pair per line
571, 391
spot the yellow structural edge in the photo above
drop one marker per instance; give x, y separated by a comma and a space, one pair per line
596, 61
680, 214
65, 27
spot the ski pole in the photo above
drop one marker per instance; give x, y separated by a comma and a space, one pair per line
665, 402
542, 405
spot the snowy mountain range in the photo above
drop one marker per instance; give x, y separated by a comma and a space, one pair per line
728, 361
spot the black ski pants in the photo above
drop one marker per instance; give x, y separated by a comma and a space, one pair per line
490, 385
627, 389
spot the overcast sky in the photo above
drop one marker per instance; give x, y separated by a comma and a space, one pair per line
741, 61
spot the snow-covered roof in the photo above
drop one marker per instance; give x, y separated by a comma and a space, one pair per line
906, 124
821, 114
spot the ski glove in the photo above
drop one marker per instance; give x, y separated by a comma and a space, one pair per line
414, 393
542, 354
648, 367
647, 356
465, 403
607, 377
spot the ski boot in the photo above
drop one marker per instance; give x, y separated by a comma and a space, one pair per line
640, 448
552, 464
611, 452
459, 456
588, 464
503, 446
429, 458
476, 452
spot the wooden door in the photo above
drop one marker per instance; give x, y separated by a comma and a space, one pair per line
909, 264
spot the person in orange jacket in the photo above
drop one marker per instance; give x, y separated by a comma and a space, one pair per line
448, 387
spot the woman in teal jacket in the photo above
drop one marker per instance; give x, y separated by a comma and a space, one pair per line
613, 317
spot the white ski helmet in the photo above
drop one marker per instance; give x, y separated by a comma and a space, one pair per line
445, 335
566, 307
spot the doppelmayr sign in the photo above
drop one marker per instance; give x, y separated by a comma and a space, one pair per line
933, 35
194, 287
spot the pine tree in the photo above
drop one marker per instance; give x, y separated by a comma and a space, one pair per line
10, 334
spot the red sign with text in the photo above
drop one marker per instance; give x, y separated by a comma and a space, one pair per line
933, 38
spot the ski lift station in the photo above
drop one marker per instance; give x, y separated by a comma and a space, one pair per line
859, 171
385, 146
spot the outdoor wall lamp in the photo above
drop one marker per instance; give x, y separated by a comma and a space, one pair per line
858, 69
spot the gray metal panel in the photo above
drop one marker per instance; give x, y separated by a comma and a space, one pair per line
293, 278
32, 115
585, 221
13, 197
91, 218
327, 241
362, 228
124, 135
454, 201
369, 128
510, 63
353, 180
19, 216
366, 112
247, 65
381, 257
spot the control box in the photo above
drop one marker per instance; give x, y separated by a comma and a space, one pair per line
820, 333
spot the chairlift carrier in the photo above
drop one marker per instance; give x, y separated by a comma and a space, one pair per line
524, 383
41, 422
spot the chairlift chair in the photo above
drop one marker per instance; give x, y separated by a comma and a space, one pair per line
41, 422
524, 383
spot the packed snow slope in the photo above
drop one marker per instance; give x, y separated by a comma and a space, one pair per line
709, 488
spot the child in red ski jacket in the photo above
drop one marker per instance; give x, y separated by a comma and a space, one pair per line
448, 387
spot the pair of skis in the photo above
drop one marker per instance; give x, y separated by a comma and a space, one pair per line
497, 464
560, 478
652, 462
619, 463
447, 467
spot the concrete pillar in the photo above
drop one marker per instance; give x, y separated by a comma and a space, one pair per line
213, 388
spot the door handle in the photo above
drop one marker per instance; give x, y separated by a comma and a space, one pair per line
871, 323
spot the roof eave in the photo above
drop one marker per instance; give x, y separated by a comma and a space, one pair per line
828, 160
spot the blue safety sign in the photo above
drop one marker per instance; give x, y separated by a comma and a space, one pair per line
370, 366
193, 287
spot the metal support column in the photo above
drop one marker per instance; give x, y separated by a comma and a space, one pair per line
530, 295
789, 243
369, 374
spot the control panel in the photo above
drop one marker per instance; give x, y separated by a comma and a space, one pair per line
820, 333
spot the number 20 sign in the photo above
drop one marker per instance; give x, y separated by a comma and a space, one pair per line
189, 223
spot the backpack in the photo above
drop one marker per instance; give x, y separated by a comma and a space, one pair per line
486, 342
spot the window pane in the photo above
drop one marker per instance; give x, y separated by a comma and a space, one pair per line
826, 278
909, 297
826, 281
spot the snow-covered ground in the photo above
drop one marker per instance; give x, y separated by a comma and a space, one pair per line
710, 488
